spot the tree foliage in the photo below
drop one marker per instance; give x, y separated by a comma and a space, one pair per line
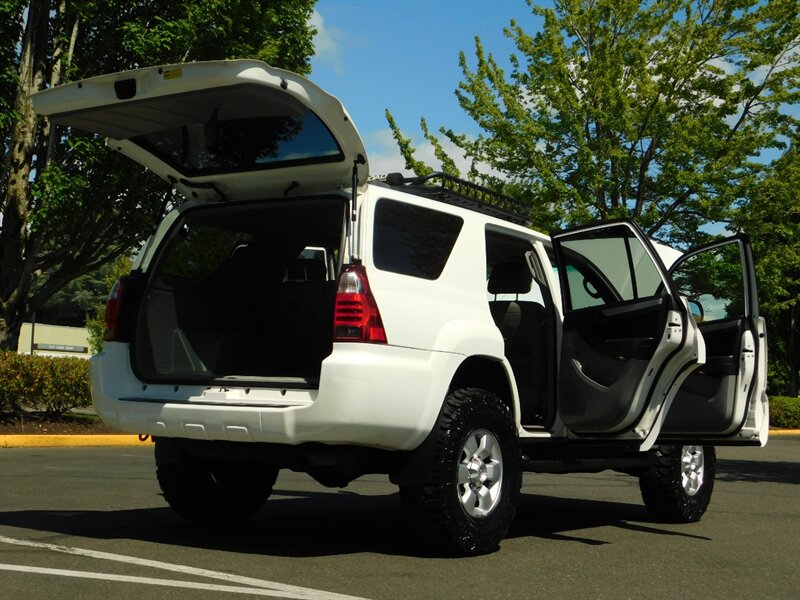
68, 204
616, 108
95, 315
77, 303
771, 216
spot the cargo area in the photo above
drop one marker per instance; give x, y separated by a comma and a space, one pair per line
242, 292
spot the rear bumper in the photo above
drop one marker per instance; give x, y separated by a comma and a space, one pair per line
369, 395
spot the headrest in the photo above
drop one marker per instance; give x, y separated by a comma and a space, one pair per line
305, 269
510, 278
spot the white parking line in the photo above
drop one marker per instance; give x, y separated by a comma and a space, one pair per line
259, 587
214, 587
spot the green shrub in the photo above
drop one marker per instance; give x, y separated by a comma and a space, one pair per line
43, 383
784, 412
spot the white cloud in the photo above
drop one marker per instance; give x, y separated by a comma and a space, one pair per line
327, 43
383, 153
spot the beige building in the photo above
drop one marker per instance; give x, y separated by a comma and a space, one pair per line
54, 340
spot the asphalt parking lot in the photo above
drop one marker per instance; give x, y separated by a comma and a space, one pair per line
90, 523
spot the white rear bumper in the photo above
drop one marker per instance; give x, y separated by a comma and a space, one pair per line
384, 397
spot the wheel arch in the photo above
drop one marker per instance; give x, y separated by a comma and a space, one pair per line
489, 374
478, 371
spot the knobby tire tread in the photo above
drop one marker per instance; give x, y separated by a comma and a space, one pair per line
663, 493
436, 505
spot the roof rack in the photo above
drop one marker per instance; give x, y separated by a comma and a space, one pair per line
459, 192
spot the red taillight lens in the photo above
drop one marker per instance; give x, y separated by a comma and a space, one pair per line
356, 317
111, 330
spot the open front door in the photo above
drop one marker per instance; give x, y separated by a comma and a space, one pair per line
628, 338
724, 401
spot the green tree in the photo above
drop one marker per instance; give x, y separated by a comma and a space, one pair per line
68, 204
771, 216
617, 108
78, 299
95, 320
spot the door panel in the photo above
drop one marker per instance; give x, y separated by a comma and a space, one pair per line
628, 340
723, 401
604, 357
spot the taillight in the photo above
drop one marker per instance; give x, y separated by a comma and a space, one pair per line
113, 304
356, 317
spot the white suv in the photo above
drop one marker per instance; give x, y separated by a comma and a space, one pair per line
291, 315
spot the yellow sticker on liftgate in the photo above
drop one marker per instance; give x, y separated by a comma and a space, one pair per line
173, 73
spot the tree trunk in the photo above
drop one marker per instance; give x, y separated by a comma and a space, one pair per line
17, 275
9, 333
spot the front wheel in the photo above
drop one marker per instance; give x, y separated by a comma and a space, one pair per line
468, 503
679, 489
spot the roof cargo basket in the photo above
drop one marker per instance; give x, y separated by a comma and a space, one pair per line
459, 192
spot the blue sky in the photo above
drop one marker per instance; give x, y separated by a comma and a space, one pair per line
403, 55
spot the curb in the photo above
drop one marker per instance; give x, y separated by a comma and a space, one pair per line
68, 441
86, 441
784, 433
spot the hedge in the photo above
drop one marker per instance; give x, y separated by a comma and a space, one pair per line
42, 383
784, 412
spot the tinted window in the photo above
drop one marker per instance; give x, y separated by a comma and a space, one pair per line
412, 240
505, 250
712, 281
608, 265
242, 144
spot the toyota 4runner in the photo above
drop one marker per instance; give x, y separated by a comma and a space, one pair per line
292, 314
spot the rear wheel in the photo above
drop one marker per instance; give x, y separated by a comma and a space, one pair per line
679, 489
468, 503
212, 492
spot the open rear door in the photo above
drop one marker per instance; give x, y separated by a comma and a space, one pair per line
724, 401
218, 130
628, 338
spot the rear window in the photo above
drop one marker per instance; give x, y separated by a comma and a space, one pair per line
412, 240
243, 144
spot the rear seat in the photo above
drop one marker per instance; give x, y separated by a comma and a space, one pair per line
523, 326
297, 317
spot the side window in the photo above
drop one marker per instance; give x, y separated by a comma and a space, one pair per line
583, 291
412, 240
508, 270
607, 265
712, 282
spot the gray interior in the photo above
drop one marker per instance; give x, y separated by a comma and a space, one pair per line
604, 355
595, 389
124, 120
523, 325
